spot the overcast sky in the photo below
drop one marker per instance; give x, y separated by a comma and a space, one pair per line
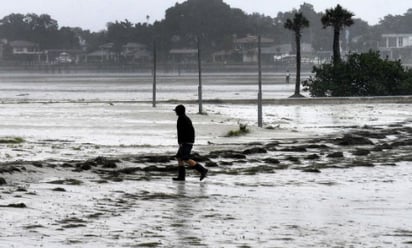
94, 14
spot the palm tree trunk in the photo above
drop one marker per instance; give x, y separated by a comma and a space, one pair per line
336, 46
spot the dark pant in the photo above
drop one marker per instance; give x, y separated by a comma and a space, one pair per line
184, 151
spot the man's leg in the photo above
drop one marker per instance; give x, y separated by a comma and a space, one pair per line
195, 165
181, 171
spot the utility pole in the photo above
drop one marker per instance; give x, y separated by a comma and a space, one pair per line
199, 64
154, 73
260, 121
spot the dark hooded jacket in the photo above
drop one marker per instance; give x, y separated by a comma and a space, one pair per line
185, 130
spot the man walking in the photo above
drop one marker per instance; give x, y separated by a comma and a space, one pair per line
186, 139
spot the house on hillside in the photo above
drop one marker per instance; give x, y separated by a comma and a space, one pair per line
396, 47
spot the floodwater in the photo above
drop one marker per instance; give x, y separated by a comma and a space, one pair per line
360, 207
138, 87
254, 201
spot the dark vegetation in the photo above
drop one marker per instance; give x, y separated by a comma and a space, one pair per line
362, 73
337, 18
365, 74
215, 21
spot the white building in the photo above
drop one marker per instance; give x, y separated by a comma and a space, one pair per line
396, 40
396, 46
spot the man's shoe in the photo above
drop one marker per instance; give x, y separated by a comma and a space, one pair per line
181, 174
202, 170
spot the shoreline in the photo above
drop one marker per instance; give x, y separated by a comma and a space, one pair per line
273, 101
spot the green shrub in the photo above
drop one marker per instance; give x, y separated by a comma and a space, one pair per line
365, 74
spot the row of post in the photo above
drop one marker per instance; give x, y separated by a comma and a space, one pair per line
200, 91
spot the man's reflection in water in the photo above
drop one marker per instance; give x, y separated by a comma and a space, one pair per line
188, 211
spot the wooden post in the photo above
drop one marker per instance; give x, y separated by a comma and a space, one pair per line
260, 121
199, 64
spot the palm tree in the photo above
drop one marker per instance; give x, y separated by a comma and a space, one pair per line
337, 18
296, 25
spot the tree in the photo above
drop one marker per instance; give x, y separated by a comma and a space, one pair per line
397, 23
296, 25
44, 30
14, 27
31, 27
119, 33
365, 74
214, 20
66, 39
337, 18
